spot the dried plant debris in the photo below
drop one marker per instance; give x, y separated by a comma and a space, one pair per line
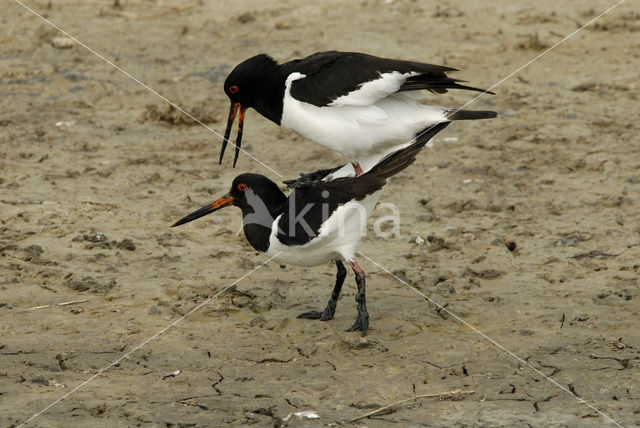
171, 116
245, 18
100, 240
532, 42
34, 254
600, 86
89, 283
628, 22
599, 254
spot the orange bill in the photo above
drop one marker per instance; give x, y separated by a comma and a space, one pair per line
222, 202
233, 111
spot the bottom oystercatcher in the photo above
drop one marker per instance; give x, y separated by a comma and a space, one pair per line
319, 221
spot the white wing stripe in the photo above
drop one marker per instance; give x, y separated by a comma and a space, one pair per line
370, 92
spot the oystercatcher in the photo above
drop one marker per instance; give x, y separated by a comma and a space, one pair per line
319, 221
357, 105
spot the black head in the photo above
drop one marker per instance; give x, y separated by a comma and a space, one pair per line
247, 79
247, 86
249, 190
252, 193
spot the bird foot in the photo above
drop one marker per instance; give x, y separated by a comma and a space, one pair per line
325, 315
304, 181
362, 324
311, 179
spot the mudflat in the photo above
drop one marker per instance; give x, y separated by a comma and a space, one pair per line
526, 226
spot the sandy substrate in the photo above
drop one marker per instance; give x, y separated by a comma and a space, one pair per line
94, 168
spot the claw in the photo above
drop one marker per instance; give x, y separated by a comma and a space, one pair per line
311, 315
325, 315
362, 324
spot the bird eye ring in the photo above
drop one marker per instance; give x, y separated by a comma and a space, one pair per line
233, 89
242, 187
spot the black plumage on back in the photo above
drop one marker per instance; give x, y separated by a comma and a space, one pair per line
332, 74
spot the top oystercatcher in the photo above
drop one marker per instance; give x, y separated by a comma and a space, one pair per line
320, 220
356, 104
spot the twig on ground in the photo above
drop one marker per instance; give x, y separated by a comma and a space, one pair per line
449, 395
71, 302
39, 307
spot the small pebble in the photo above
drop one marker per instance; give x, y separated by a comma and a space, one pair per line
62, 43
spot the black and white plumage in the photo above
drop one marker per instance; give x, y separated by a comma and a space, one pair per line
360, 106
319, 221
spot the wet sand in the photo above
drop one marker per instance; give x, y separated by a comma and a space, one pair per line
529, 223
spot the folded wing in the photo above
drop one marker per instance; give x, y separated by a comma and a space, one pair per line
350, 78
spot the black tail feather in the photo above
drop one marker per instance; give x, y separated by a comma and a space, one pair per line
401, 159
470, 114
438, 85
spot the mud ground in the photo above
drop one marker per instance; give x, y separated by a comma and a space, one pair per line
529, 224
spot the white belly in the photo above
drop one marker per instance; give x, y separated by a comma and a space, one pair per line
338, 238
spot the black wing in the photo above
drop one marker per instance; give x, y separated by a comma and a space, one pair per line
309, 206
333, 74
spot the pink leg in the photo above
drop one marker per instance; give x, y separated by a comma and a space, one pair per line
359, 172
358, 270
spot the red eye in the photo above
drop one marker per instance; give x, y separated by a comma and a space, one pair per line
233, 89
242, 187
